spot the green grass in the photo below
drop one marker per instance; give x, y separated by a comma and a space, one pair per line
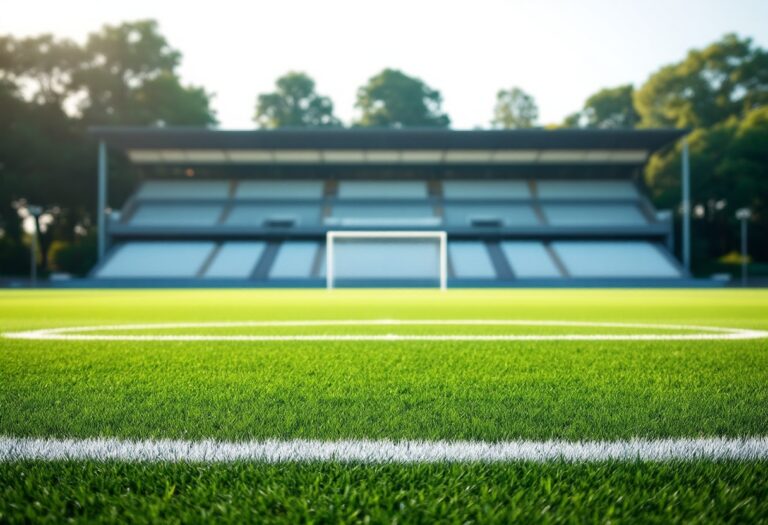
329, 493
398, 390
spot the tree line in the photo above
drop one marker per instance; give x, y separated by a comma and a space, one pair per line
52, 90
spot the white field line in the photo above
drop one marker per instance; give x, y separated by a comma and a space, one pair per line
76, 333
383, 451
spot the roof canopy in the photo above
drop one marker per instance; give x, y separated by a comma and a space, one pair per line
385, 146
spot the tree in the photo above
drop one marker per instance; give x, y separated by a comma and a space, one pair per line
393, 99
42, 65
609, 108
729, 166
295, 103
727, 78
514, 109
129, 77
50, 91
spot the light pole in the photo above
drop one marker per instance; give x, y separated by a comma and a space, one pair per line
34, 212
743, 214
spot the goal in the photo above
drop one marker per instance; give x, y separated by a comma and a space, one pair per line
333, 236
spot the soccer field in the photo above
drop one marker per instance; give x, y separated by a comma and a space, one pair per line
384, 405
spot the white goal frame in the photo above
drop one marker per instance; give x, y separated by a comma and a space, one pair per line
331, 236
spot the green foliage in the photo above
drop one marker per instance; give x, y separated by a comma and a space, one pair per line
45, 160
124, 74
729, 163
514, 109
43, 64
393, 99
129, 77
609, 108
76, 257
14, 257
727, 78
295, 103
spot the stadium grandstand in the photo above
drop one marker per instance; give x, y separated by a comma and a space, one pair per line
477, 208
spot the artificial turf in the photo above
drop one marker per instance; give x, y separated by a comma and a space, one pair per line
482, 390
700, 492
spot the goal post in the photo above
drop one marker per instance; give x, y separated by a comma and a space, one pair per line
440, 236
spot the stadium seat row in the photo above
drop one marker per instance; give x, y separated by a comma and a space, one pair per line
387, 189
172, 204
399, 214
395, 259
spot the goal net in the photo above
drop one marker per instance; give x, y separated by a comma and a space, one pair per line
360, 257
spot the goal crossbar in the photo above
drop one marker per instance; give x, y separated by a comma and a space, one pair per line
331, 236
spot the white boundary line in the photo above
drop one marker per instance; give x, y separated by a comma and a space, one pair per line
383, 451
75, 333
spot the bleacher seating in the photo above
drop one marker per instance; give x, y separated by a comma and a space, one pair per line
530, 259
184, 189
486, 189
586, 189
274, 215
631, 259
376, 214
153, 259
279, 189
155, 214
490, 214
235, 260
273, 230
470, 260
598, 214
384, 189
295, 260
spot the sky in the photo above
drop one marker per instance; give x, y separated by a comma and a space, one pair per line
560, 51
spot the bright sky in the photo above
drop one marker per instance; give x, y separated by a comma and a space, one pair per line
560, 51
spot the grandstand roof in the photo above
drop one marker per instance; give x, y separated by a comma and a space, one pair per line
149, 145
376, 138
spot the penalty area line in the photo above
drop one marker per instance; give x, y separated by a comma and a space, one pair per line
382, 451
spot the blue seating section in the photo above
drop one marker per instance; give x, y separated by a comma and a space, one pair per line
184, 189
174, 215
235, 260
382, 189
530, 259
486, 189
490, 214
274, 230
627, 259
470, 260
598, 214
295, 260
279, 189
154, 259
267, 215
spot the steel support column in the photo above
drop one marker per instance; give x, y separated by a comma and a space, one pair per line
101, 206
